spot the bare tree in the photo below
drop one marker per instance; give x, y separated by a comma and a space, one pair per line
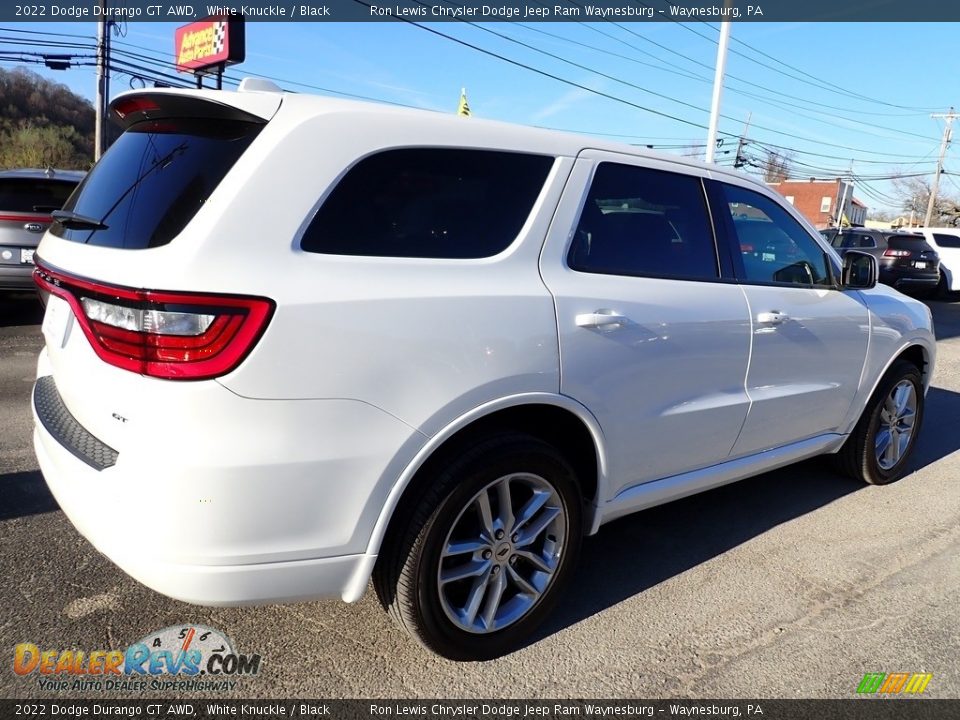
881, 215
777, 166
913, 194
694, 150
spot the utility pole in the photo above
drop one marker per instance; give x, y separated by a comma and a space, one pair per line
947, 132
717, 89
103, 83
739, 160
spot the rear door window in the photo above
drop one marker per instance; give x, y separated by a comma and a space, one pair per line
429, 203
34, 195
154, 179
854, 240
644, 222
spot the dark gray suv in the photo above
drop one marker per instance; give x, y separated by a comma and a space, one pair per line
906, 261
27, 197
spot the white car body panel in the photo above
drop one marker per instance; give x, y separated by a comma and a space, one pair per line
619, 372
949, 256
284, 474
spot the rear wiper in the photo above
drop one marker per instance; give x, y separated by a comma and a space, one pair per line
73, 221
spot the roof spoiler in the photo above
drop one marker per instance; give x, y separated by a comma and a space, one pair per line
131, 108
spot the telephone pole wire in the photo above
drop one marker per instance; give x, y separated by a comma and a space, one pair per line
103, 83
947, 132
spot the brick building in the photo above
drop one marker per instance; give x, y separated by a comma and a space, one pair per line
818, 201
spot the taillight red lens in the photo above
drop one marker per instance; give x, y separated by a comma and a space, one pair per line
890, 252
128, 106
172, 335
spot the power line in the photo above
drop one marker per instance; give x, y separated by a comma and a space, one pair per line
813, 81
745, 93
607, 76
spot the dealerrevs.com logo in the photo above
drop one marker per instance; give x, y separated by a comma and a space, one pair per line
179, 657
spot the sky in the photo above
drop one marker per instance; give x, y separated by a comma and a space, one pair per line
834, 96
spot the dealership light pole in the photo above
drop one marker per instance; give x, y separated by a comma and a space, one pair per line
717, 89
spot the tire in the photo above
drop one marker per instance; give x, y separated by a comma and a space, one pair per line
505, 560
860, 457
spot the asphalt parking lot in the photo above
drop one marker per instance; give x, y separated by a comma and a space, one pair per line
791, 584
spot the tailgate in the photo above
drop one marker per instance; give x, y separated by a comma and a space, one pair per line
115, 334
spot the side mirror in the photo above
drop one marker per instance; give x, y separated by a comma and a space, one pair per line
859, 270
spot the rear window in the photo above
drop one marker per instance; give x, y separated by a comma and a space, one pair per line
34, 195
903, 241
429, 203
154, 179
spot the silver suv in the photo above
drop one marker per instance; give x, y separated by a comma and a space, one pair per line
27, 197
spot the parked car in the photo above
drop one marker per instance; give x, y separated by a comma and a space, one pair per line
27, 197
907, 261
325, 340
946, 241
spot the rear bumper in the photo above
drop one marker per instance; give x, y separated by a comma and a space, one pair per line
71, 481
223, 534
18, 278
909, 279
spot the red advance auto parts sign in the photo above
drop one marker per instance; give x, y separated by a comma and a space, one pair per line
209, 43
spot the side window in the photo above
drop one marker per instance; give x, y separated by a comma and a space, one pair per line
774, 246
849, 240
947, 241
638, 221
429, 203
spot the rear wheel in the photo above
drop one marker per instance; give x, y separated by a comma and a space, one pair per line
880, 445
482, 558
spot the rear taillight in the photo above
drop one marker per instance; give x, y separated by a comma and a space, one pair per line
172, 335
18, 218
890, 252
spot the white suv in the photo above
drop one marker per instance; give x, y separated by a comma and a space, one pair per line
946, 241
310, 341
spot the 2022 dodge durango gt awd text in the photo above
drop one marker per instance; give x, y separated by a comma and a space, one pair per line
330, 341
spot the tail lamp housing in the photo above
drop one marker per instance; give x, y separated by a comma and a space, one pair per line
162, 334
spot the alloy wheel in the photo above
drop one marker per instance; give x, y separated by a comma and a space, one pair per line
897, 418
502, 553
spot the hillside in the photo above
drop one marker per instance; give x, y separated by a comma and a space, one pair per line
43, 123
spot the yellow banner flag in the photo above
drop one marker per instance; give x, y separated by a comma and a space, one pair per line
463, 109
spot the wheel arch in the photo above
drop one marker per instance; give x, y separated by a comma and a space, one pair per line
914, 351
555, 418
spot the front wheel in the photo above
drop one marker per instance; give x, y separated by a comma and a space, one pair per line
482, 558
880, 445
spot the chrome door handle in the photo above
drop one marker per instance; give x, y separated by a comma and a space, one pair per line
600, 319
774, 317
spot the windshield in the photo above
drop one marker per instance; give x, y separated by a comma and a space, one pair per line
153, 180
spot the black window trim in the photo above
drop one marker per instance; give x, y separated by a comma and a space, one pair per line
724, 274
725, 221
